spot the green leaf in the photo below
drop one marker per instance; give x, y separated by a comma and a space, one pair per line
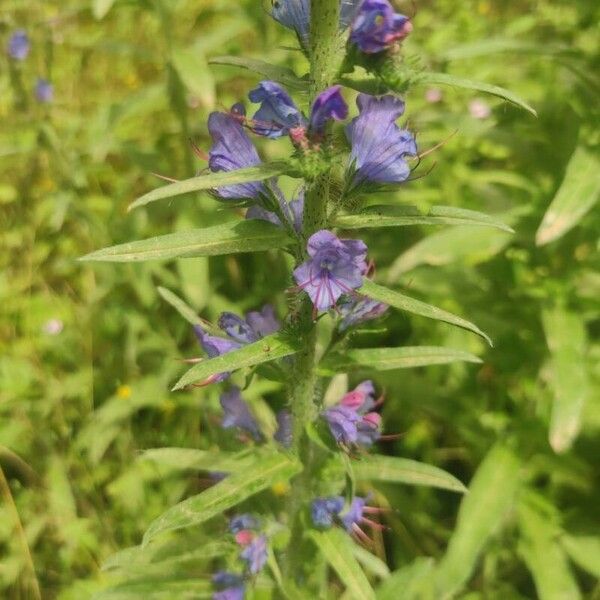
192, 68
100, 8
370, 562
269, 348
186, 311
584, 550
210, 181
387, 359
491, 495
231, 238
410, 579
199, 460
262, 474
427, 78
544, 557
408, 304
408, 214
283, 75
566, 338
390, 469
158, 589
578, 193
336, 546
498, 45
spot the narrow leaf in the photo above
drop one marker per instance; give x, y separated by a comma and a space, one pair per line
468, 84
578, 193
266, 471
491, 495
370, 561
336, 547
387, 359
583, 550
566, 338
269, 348
211, 181
158, 589
282, 75
408, 304
199, 460
391, 469
184, 309
410, 579
402, 215
230, 238
100, 8
192, 68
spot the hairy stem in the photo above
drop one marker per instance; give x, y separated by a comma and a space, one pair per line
325, 59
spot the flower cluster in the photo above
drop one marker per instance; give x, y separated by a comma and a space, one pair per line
353, 421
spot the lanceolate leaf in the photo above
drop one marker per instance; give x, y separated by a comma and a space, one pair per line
566, 338
387, 359
490, 496
269, 348
283, 75
578, 193
414, 581
584, 551
402, 302
186, 311
391, 469
263, 473
468, 84
211, 181
230, 238
336, 547
398, 216
200, 460
158, 589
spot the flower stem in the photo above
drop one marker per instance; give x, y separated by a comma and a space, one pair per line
326, 55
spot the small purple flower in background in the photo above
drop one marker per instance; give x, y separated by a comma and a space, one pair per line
376, 26
232, 583
44, 91
255, 554
479, 109
237, 414
242, 522
283, 435
257, 325
379, 146
232, 150
357, 311
434, 95
18, 45
335, 267
324, 510
354, 515
343, 424
278, 113
293, 211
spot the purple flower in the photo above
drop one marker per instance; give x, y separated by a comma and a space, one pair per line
257, 325
224, 579
324, 510
237, 414
356, 311
293, 211
255, 554
242, 522
232, 150
44, 91
328, 105
376, 26
277, 113
354, 515
18, 45
348, 11
233, 593
368, 429
343, 424
335, 267
379, 146
283, 435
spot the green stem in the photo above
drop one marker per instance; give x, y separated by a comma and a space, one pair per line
326, 55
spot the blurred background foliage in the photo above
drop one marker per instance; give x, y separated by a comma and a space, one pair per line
88, 352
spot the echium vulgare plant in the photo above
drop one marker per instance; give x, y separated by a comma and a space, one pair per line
322, 456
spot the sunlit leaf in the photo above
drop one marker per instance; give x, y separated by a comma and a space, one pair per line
210, 181
566, 337
410, 579
578, 193
370, 562
266, 470
100, 8
336, 547
201, 460
283, 75
186, 311
402, 215
491, 495
192, 68
411, 305
387, 359
231, 238
584, 550
391, 469
267, 349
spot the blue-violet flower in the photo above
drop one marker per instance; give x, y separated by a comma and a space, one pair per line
242, 522
237, 414
356, 311
293, 211
18, 45
324, 510
283, 434
255, 554
44, 91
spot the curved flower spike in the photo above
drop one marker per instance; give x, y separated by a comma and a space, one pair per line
379, 146
335, 267
232, 150
376, 26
